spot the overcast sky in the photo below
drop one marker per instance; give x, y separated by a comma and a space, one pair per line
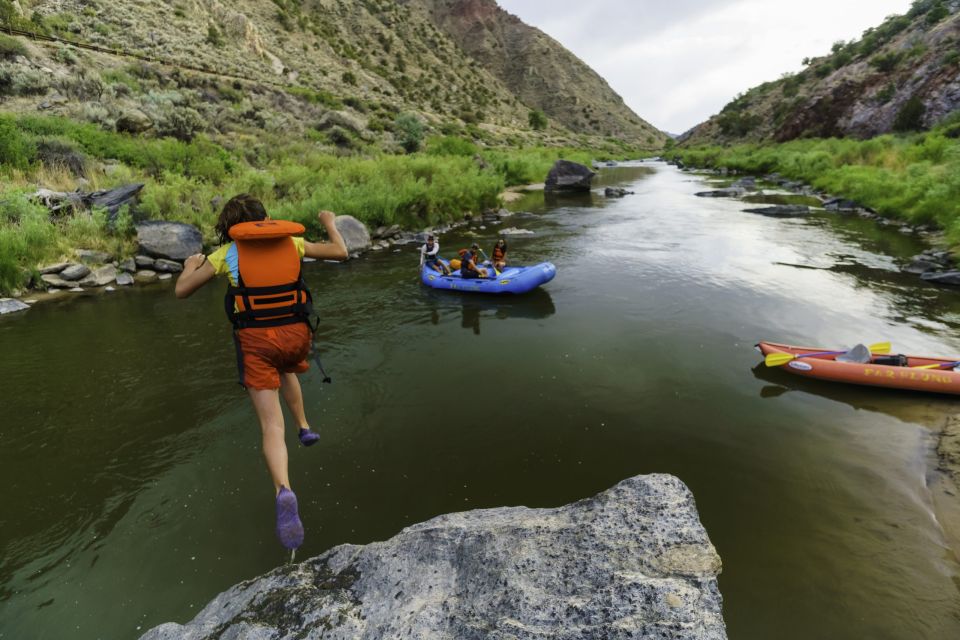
677, 62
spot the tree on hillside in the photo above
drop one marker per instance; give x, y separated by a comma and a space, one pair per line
409, 131
538, 120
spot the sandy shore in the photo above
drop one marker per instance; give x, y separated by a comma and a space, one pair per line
946, 483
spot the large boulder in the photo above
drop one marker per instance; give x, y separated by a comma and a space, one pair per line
354, 233
631, 562
133, 121
170, 240
568, 176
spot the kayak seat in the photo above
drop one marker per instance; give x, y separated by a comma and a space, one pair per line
860, 354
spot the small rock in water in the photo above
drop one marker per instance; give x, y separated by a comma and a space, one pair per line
164, 276
167, 266
124, 279
145, 276
10, 305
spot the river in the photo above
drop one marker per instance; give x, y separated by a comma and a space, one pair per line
134, 488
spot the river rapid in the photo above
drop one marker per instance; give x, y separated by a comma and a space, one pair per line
134, 488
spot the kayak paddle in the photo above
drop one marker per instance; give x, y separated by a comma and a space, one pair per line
778, 359
938, 366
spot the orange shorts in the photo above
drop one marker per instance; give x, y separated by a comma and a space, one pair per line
263, 353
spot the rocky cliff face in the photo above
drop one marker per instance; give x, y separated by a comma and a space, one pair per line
538, 69
373, 57
902, 75
632, 562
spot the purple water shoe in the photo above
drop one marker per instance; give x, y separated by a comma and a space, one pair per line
289, 527
308, 437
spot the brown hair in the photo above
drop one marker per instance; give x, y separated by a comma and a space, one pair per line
240, 208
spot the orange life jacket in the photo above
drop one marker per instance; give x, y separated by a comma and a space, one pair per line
498, 253
270, 291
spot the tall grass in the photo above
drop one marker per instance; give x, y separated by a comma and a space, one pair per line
916, 178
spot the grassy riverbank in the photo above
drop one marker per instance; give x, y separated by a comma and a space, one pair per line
914, 177
185, 181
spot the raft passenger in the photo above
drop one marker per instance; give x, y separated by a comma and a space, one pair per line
468, 263
430, 256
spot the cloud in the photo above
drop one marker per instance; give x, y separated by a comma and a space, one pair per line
677, 63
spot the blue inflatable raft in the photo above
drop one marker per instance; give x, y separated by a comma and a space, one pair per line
513, 279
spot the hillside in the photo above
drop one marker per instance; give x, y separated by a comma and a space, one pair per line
903, 75
281, 66
538, 69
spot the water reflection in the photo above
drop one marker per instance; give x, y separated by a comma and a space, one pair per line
909, 406
535, 305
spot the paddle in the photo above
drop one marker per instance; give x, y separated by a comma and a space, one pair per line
938, 366
778, 359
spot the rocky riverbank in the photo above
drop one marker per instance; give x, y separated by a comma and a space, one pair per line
631, 562
163, 246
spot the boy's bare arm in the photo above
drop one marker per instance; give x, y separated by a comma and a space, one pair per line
197, 271
336, 249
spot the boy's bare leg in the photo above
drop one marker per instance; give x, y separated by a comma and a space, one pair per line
293, 396
266, 402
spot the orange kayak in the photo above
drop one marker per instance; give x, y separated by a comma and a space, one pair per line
826, 367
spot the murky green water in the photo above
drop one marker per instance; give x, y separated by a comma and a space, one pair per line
134, 489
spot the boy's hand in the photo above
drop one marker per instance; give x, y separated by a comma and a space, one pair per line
326, 217
195, 261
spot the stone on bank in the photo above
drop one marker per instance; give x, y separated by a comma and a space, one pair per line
632, 562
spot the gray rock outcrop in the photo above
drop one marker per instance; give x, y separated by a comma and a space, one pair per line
170, 240
112, 200
354, 232
100, 277
10, 305
632, 562
568, 176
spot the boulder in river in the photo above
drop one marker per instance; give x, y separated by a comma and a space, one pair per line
616, 192
920, 265
170, 240
568, 176
631, 562
731, 192
10, 305
782, 210
354, 233
951, 278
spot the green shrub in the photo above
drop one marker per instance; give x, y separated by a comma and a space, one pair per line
214, 37
26, 236
886, 62
537, 120
910, 115
17, 150
409, 130
450, 146
10, 48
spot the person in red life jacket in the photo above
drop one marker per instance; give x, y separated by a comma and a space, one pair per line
269, 306
500, 255
468, 263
